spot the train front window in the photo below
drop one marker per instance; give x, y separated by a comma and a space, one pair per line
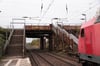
82, 33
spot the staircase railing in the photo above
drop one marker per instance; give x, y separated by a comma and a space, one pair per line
8, 40
71, 36
24, 39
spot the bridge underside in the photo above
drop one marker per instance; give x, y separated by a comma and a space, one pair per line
55, 40
39, 32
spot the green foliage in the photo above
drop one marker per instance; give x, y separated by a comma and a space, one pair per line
2, 31
35, 42
2, 41
2, 36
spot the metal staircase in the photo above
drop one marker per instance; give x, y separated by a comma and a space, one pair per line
16, 44
67, 39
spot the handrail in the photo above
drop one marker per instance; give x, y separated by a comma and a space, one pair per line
24, 40
7, 41
71, 36
75, 39
37, 24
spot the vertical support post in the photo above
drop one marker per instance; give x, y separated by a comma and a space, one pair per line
42, 43
53, 42
55, 47
63, 44
57, 40
50, 43
24, 39
72, 43
44, 39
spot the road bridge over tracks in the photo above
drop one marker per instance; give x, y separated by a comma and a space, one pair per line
58, 37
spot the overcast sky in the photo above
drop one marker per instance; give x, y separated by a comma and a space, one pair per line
32, 8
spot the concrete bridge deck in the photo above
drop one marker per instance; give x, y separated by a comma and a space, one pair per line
37, 31
43, 27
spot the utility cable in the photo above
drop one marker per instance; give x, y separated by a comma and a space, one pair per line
48, 8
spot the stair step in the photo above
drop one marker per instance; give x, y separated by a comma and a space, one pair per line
18, 32
15, 45
15, 48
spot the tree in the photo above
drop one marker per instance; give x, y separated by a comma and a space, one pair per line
35, 42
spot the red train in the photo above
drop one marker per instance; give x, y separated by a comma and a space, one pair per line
89, 43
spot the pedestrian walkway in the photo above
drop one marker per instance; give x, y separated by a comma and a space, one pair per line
13, 61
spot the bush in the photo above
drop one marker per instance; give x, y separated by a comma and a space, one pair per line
2, 36
2, 39
35, 42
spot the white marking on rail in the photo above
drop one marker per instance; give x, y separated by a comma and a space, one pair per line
18, 62
7, 64
28, 60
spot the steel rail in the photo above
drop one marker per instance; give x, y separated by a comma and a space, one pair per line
44, 59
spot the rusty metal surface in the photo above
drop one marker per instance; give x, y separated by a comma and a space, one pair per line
16, 44
30, 27
37, 27
67, 27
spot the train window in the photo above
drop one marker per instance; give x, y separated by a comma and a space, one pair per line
82, 33
98, 20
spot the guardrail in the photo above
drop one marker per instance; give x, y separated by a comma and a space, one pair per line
38, 24
71, 36
7, 41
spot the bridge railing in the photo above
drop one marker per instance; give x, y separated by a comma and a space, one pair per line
37, 24
9, 38
71, 36
61, 30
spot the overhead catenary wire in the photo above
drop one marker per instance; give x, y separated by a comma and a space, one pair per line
41, 6
50, 4
47, 9
90, 8
42, 14
66, 9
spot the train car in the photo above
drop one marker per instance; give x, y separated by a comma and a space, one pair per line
89, 43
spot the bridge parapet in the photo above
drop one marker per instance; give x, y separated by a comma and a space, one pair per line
36, 27
67, 27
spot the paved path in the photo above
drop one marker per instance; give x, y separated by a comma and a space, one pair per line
15, 62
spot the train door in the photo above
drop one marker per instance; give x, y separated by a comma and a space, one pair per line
88, 40
81, 45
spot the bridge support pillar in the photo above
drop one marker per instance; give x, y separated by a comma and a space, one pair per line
42, 43
50, 43
53, 42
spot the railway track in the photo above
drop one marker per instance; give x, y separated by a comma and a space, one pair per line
66, 59
37, 60
66, 56
48, 59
